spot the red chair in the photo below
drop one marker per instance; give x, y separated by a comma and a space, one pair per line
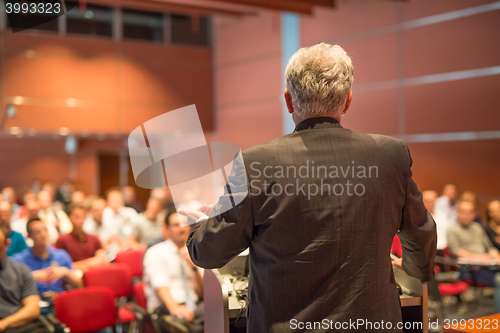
140, 295
396, 248
86, 309
151, 325
118, 278
132, 258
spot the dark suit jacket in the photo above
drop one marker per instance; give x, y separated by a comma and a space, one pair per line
322, 256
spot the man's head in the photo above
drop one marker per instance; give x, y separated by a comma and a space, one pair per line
32, 208
493, 211
153, 208
77, 198
450, 190
177, 233
129, 194
318, 82
37, 231
114, 198
96, 208
45, 199
76, 215
9, 194
429, 199
466, 213
4, 241
5, 213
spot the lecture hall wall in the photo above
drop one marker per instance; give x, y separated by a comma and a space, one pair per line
99, 90
426, 52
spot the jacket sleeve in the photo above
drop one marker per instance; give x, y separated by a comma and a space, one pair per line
417, 232
214, 242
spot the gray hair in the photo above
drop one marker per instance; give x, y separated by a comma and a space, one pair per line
319, 79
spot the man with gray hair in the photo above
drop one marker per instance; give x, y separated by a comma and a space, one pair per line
318, 209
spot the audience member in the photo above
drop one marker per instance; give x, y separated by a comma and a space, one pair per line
471, 196
9, 195
117, 215
85, 249
147, 228
445, 213
19, 302
493, 222
94, 224
32, 211
52, 216
51, 268
17, 242
174, 283
130, 199
77, 198
469, 240
28, 195
52, 189
63, 194
429, 198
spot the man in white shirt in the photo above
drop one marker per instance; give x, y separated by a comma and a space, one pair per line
94, 223
117, 215
445, 213
53, 216
174, 283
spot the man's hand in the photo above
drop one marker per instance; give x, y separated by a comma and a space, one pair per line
398, 263
183, 311
195, 215
56, 273
41, 275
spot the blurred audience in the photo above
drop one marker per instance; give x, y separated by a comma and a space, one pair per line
445, 213
493, 222
17, 242
130, 199
65, 192
467, 239
51, 268
85, 249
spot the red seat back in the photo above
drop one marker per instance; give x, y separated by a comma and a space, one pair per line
86, 309
140, 295
132, 258
396, 247
115, 276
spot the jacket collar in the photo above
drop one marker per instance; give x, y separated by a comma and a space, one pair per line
317, 122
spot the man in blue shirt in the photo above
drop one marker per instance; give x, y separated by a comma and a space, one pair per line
17, 242
51, 268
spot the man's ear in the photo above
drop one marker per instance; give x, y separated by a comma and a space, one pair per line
8, 242
348, 103
288, 100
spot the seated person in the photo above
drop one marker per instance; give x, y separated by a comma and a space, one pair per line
17, 242
469, 240
147, 228
94, 224
493, 222
174, 283
51, 268
19, 296
85, 249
